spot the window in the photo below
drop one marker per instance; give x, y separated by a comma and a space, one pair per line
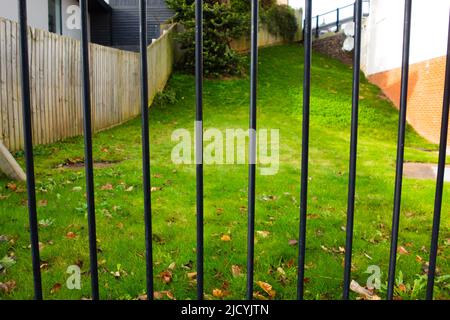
54, 16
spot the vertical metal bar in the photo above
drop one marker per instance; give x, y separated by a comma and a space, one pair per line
317, 27
440, 177
89, 167
146, 148
353, 151
337, 20
199, 140
400, 149
28, 148
252, 148
305, 150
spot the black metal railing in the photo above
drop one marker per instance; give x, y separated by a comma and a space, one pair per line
333, 20
25, 85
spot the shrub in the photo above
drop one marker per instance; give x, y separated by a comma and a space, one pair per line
224, 21
281, 20
221, 24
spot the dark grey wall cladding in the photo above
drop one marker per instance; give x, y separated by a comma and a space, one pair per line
101, 29
125, 22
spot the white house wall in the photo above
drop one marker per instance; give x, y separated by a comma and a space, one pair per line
382, 38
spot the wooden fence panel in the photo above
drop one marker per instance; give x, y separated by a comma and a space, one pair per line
56, 84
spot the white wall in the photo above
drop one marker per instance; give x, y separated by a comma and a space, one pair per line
37, 12
382, 37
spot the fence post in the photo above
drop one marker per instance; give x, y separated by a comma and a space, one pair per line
29, 160
305, 151
146, 149
400, 149
199, 140
317, 26
337, 20
88, 158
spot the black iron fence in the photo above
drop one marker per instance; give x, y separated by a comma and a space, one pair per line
252, 128
333, 20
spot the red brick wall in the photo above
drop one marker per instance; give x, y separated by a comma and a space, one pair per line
425, 94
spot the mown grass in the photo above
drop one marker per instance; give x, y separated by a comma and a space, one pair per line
60, 192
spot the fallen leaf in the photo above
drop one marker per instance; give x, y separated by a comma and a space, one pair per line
419, 259
71, 235
267, 288
402, 287
263, 234
225, 238
218, 293
402, 250
236, 270
172, 266
11, 186
219, 211
166, 276
364, 293
42, 203
76, 189
129, 189
56, 287
259, 296
144, 296
192, 275
107, 186
281, 271
293, 242
153, 189
8, 286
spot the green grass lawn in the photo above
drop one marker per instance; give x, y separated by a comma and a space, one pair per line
119, 196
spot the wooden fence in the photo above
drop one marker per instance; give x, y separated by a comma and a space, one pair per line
56, 84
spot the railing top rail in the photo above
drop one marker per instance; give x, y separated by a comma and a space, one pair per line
340, 8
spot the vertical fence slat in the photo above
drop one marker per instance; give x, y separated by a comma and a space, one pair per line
400, 149
305, 149
146, 147
29, 161
440, 177
199, 140
86, 98
353, 151
252, 147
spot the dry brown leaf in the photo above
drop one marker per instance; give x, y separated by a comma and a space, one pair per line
218, 293
11, 186
153, 189
144, 296
166, 276
8, 286
42, 203
56, 287
71, 235
259, 296
192, 275
225, 237
267, 288
236, 270
292, 242
172, 266
402, 287
107, 186
363, 292
263, 234
402, 250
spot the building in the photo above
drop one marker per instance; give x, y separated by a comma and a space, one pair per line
62, 17
111, 23
125, 22
382, 58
